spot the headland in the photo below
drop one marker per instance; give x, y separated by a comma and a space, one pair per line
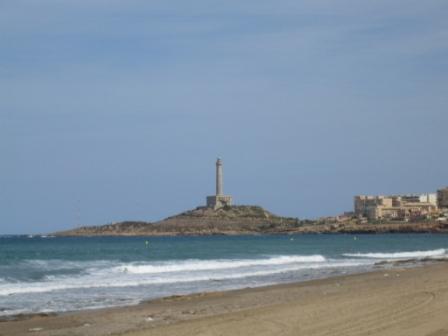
373, 214
236, 220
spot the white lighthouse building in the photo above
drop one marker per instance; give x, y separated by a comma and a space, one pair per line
219, 200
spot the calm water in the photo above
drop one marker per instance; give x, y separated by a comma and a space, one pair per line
44, 274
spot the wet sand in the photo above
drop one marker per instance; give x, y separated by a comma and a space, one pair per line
407, 301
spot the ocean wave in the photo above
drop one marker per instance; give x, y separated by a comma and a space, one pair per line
8, 312
399, 255
133, 280
217, 264
62, 263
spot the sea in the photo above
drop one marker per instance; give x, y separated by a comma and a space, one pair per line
43, 274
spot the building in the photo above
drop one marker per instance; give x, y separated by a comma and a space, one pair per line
422, 198
442, 198
219, 200
396, 207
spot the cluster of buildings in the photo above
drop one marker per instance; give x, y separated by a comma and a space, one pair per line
402, 207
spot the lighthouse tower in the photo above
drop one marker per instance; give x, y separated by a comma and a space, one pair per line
219, 200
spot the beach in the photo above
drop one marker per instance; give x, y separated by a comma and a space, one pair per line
398, 301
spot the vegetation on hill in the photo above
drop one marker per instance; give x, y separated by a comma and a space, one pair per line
243, 219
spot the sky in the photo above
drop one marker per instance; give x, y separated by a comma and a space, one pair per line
116, 110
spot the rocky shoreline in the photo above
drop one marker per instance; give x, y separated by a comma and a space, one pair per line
237, 220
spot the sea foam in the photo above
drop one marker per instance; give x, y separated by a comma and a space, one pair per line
218, 264
171, 273
399, 255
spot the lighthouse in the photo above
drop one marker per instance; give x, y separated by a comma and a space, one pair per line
219, 200
219, 177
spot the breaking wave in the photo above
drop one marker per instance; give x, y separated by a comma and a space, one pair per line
132, 274
203, 265
399, 255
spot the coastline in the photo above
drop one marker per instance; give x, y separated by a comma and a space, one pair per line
397, 301
190, 228
247, 220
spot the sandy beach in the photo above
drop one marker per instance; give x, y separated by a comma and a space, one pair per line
405, 301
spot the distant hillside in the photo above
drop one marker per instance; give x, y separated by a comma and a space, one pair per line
128, 228
241, 219
200, 221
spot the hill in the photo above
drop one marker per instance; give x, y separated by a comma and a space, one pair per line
200, 221
242, 219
